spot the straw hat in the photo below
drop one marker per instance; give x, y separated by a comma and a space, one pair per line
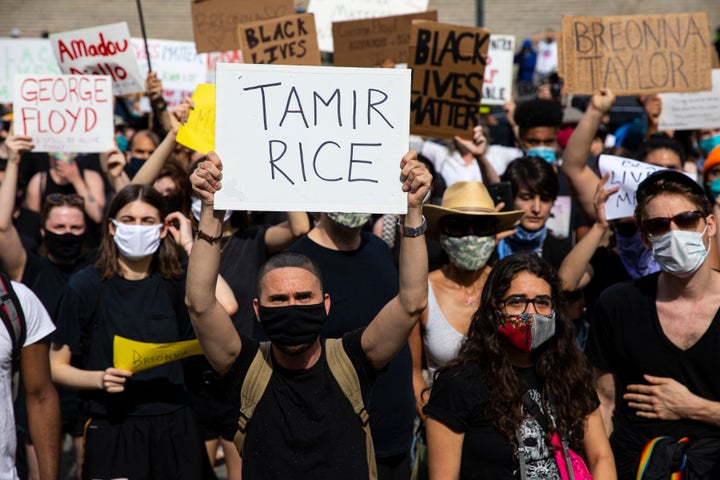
470, 199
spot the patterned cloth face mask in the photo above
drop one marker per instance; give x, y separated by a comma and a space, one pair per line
470, 252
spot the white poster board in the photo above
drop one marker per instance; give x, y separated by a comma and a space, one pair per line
626, 174
65, 113
177, 65
329, 11
560, 216
498, 81
104, 50
689, 111
24, 56
317, 139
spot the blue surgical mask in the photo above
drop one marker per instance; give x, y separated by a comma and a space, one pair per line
714, 189
707, 144
546, 153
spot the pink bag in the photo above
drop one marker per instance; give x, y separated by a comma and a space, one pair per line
579, 469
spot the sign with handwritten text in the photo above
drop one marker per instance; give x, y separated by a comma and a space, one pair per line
215, 22
498, 82
329, 11
448, 63
104, 50
626, 174
637, 54
65, 113
319, 139
198, 133
24, 56
690, 111
290, 40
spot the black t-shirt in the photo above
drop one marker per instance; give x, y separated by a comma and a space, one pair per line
460, 400
626, 338
140, 310
304, 427
360, 283
48, 279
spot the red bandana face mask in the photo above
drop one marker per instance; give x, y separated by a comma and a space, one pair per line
527, 331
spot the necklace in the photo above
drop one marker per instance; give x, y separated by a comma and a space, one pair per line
469, 301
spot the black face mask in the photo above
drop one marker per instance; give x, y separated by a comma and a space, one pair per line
293, 325
134, 165
64, 248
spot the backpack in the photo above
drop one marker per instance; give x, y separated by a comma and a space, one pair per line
14, 320
258, 377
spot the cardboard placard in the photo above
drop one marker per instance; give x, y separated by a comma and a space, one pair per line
20, 56
320, 139
215, 22
498, 82
636, 54
198, 133
690, 111
329, 11
448, 63
137, 356
65, 113
626, 174
290, 40
368, 42
103, 50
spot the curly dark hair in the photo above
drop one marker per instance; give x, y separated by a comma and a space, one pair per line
563, 370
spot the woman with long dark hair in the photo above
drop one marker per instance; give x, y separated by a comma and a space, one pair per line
518, 379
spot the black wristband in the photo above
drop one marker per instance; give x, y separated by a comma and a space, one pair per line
204, 236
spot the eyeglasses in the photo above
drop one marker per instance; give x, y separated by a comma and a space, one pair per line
460, 226
517, 304
58, 199
684, 221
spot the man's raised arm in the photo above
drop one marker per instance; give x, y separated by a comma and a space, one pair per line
388, 332
217, 335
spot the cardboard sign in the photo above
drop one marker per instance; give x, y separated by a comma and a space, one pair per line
448, 63
176, 64
329, 11
105, 50
319, 139
215, 22
498, 83
20, 56
65, 113
637, 54
369, 42
690, 111
198, 133
626, 174
290, 40
138, 356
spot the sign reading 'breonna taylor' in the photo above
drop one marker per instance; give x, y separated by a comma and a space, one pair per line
322, 139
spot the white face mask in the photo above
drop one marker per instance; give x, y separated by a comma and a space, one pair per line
679, 252
136, 241
196, 207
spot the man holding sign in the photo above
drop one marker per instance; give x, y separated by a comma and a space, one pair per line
302, 426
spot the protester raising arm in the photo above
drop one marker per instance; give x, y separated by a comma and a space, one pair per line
582, 179
478, 147
389, 330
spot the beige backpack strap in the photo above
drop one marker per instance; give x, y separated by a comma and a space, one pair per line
253, 388
345, 375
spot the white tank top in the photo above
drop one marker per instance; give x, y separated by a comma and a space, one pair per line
440, 340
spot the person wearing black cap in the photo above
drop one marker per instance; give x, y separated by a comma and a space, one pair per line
655, 341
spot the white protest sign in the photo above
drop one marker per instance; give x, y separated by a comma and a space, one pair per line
560, 215
689, 111
24, 56
498, 81
626, 174
329, 11
104, 50
318, 139
177, 65
65, 113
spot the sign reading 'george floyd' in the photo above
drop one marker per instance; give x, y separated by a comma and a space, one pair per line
290, 40
319, 139
448, 64
637, 54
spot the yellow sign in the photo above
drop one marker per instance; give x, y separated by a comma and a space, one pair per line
138, 356
198, 133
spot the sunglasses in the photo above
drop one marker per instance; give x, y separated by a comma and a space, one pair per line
684, 221
461, 226
58, 199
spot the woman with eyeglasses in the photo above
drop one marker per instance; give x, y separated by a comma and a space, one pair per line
466, 224
517, 380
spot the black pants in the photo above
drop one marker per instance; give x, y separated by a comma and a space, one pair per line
396, 467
